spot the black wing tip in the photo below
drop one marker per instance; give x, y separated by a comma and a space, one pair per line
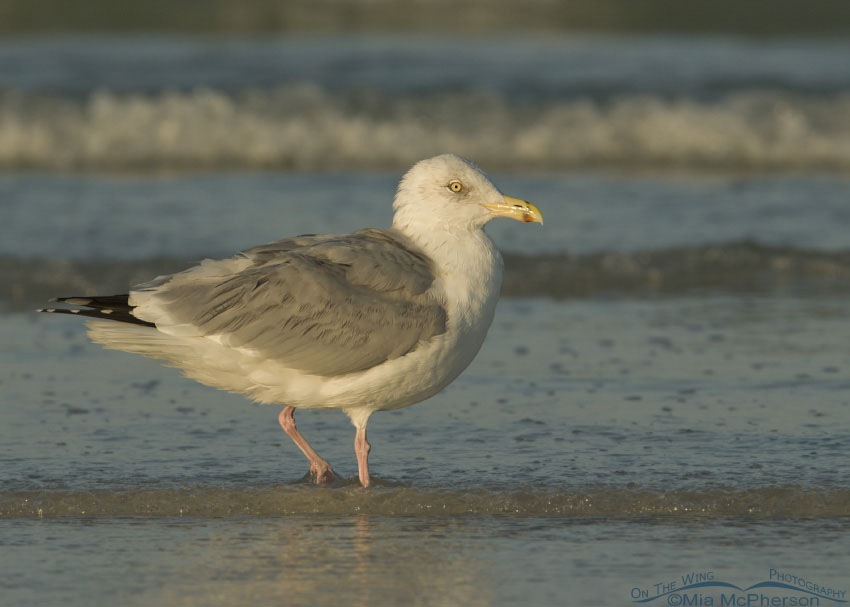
111, 307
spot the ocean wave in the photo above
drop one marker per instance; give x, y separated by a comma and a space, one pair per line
304, 127
301, 499
735, 267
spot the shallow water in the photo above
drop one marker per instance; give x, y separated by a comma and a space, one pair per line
592, 448
585, 437
366, 560
92, 217
664, 395
685, 410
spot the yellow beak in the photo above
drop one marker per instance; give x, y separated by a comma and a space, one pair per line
515, 209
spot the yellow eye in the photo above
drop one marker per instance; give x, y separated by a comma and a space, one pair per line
456, 186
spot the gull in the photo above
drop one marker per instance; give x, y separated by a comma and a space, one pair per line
370, 321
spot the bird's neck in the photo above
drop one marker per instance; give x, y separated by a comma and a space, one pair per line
468, 267
456, 251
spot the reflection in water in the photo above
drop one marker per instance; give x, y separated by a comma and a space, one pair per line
382, 561
364, 563
359, 561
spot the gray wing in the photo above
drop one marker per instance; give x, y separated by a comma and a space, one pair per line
326, 305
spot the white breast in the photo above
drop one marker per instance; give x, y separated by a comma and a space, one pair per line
469, 279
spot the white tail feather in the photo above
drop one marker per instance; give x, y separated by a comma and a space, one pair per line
200, 359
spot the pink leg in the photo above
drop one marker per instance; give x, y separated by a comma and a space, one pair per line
362, 448
318, 467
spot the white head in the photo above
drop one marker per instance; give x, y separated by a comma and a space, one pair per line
450, 193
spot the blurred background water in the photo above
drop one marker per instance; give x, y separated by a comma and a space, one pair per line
665, 386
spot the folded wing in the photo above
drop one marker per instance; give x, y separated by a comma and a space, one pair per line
325, 305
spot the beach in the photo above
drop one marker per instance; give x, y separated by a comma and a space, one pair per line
664, 392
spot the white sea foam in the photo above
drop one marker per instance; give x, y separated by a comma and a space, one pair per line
304, 127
